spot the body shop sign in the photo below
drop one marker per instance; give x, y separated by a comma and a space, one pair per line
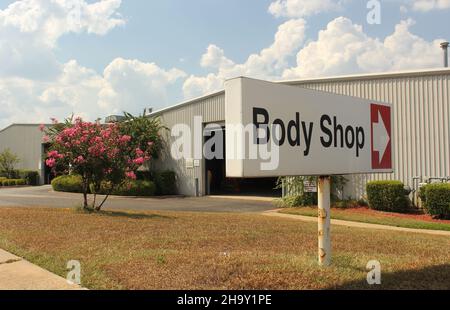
281, 130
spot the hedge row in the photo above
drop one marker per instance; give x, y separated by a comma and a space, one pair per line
73, 184
387, 196
68, 183
165, 182
31, 177
12, 182
436, 199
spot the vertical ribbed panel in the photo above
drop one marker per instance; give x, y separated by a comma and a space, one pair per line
211, 109
421, 123
421, 129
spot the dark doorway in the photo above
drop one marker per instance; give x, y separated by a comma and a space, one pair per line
215, 168
216, 182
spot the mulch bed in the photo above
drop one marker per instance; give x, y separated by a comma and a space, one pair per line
414, 216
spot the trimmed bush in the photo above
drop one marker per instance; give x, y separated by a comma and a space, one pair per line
165, 182
31, 177
436, 199
387, 196
141, 188
346, 204
136, 188
68, 183
305, 200
20, 182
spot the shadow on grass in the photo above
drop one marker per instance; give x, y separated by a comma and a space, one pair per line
431, 278
123, 214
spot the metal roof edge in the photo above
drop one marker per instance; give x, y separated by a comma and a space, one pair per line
22, 124
368, 76
362, 76
187, 102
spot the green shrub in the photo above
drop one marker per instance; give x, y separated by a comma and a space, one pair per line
387, 196
31, 177
68, 183
11, 182
136, 188
20, 182
436, 199
346, 204
305, 200
165, 182
140, 188
362, 202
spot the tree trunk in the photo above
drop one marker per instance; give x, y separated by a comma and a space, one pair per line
85, 193
85, 204
93, 204
103, 202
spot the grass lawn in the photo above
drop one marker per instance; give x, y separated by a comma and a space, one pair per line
375, 217
177, 250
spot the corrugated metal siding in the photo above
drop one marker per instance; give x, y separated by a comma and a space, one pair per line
421, 124
212, 109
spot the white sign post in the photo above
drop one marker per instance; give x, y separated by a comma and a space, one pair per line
324, 220
280, 130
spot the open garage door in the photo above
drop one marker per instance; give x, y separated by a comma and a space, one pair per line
217, 183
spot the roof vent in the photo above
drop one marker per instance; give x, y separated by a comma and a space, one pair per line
444, 46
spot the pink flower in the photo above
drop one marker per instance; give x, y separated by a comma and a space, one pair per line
131, 175
139, 152
125, 139
51, 162
139, 161
42, 127
80, 159
53, 154
46, 139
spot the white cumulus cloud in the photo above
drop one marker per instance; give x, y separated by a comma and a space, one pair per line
344, 48
267, 64
429, 5
302, 8
35, 86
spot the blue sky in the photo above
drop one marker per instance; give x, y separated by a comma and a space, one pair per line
170, 30
131, 54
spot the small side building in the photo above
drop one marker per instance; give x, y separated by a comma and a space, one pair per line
26, 141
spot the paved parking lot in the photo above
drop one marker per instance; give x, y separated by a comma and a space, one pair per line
44, 196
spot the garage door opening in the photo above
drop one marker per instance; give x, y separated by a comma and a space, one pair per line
217, 183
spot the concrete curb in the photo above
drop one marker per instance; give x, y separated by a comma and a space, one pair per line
275, 213
19, 274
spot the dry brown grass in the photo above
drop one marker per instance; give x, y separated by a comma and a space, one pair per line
176, 250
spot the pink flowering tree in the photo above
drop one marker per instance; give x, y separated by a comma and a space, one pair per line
100, 154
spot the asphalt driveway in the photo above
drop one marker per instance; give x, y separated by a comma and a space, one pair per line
44, 196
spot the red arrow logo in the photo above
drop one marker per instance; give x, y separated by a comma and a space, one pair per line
380, 116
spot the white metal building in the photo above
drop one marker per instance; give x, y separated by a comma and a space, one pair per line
25, 140
421, 126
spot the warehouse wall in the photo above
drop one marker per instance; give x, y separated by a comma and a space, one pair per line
212, 109
421, 123
25, 141
421, 128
